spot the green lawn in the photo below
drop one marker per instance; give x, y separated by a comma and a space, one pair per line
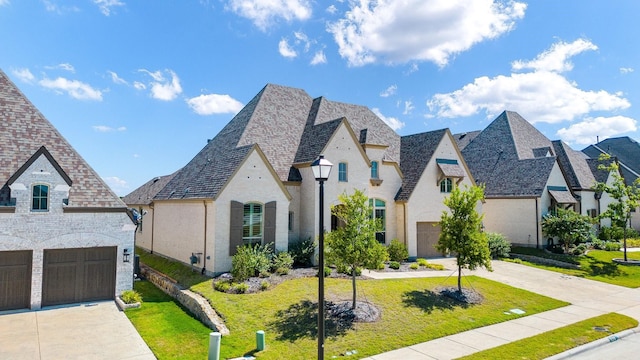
181, 273
410, 313
559, 340
596, 265
169, 331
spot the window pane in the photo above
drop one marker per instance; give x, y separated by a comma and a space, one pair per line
374, 169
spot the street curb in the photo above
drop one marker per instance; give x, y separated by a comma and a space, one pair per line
594, 344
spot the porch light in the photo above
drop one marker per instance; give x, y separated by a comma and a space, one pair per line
321, 168
125, 255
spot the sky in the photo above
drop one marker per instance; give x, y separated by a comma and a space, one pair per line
137, 87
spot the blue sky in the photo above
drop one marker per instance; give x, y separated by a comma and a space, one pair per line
137, 87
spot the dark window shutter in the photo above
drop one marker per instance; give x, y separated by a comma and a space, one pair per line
235, 228
270, 223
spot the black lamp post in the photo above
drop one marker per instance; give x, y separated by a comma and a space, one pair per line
321, 168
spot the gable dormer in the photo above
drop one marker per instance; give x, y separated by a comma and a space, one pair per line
40, 185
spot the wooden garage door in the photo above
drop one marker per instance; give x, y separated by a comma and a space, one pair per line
428, 234
15, 279
78, 275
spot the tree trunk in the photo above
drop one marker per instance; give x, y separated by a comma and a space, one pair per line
624, 235
353, 283
460, 279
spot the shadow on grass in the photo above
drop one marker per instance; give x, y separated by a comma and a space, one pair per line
300, 320
428, 301
602, 268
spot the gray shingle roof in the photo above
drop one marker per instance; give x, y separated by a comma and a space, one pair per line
144, 194
503, 157
574, 166
289, 127
463, 139
23, 130
415, 153
625, 149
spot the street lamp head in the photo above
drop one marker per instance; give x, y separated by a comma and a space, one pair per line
321, 168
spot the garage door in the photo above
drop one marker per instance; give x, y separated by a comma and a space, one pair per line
428, 234
78, 275
15, 279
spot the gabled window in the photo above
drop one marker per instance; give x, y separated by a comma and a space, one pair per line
40, 198
446, 185
380, 212
374, 170
342, 172
252, 224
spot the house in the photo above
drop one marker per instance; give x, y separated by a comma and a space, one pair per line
65, 237
522, 176
252, 183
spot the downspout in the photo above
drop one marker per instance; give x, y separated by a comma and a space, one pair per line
537, 225
204, 255
404, 223
153, 224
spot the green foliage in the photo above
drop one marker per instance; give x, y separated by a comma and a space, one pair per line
354, 245
598, 244
264, 285
616, 233
397, 251
302, 251
131, 297
240, 288
251, 260
461, 230
612, 246
327, 271
569, 226
183, 274
222, 286
435, 266
282, 261
394, 265
422, 262
579, 250
498, 245
414, 266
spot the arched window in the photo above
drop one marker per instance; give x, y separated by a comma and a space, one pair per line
252, 223
446, 185
380, 212
40, 198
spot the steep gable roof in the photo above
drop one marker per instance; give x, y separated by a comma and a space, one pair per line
463, 139
24, 130
574, 166
625, 149
506, 157
144, 194
415, 153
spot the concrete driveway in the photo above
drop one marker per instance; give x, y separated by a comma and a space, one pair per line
81, 331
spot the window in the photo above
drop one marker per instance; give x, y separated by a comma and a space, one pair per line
342, 172
290, 220
374, 169
40, 198
379, 212
446, 185
252, 224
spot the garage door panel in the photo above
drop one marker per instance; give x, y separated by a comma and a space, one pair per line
428, 234
15, 279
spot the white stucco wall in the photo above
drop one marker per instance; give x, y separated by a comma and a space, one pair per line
145, 230
515, 218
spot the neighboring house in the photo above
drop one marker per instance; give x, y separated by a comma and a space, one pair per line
522, 177
253, 183
63, 232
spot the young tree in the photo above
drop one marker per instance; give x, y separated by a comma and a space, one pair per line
461, 230
627, 197
569, 226
354, 245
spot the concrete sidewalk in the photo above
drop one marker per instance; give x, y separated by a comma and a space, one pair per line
588, 299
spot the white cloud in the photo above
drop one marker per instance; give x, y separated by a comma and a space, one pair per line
76, 89
104, 128
106, 6
138, 85
265, 13
162, 88
421, 30
286, 50
24, 75
393, 123
332, 9
319, 58
64, 66
540, 95
556, 59
119, 186
391, 90
117, 79
214, 104
4, 2
587, 131
51, 6
408, 107
626, 70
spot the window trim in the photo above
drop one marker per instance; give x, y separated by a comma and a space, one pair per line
40, 198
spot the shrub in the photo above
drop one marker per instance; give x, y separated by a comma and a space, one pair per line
422, 262
282, 271
435, 266
302, 251
343, 269
633, 242
414, 266
579, 250
264, 285
381, 266
282, 261
251, 260
616, 233
131, 297
498, 245
241, 288
327, 271
394, 265
517, 261
222, 286
612, 246
598, 244
397, 251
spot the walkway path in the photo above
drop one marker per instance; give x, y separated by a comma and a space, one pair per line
588, 298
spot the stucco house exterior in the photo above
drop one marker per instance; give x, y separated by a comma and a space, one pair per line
63, 232
252, 183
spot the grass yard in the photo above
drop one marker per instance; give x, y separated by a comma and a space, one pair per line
181, 273
410, 313
169, 331
559, 340
596, 265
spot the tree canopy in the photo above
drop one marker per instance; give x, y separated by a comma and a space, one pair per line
569, 226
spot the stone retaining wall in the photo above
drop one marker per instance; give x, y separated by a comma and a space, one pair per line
545, 261
196, 304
